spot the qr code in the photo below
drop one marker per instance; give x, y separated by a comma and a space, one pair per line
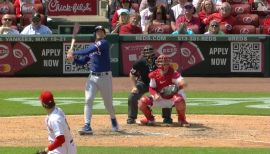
70, 68
246, 57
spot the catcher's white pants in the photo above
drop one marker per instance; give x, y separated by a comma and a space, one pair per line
104, 85
167, 103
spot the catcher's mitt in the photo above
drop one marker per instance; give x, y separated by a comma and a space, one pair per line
41, 152
169, 91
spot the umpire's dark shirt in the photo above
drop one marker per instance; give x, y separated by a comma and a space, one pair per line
141, 69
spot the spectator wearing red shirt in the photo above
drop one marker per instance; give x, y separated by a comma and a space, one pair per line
224, 17
207, 8
159, 23
132, 27
189, 19
266, 25
124, 4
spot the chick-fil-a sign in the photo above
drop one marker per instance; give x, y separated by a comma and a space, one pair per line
75, 7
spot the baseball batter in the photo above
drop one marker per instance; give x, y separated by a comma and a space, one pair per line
162, 77
100, 77
60, 138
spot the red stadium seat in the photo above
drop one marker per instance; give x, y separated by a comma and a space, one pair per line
266, 30
244, 29
240, 9
26, 19
247, 19
5, 8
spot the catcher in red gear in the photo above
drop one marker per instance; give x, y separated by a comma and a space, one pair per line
164, 78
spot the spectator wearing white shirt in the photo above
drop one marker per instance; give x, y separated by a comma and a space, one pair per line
144, 4
147, 13
36, 28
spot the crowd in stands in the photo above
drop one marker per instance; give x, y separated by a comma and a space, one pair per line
152, 17
23, 17
190, 16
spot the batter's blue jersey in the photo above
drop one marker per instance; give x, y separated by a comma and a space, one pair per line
98, 54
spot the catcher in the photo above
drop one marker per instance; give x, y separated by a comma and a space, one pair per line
61, 141
166, 89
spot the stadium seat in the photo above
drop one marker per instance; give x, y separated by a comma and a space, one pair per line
240, 9
26, 19
244, 29
5, 8
247, 19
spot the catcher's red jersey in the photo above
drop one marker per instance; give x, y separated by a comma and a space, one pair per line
159, 81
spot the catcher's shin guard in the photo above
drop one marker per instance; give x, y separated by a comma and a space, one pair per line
144, 104
180, 106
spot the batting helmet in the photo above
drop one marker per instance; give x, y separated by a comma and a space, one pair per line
47, 100
100, 28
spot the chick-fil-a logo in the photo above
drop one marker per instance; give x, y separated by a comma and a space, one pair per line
78, 7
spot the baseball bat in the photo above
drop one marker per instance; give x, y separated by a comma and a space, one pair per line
76, 29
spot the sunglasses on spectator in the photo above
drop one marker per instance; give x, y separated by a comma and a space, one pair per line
188, 7
7, 19
159, 12
214, 25
35, 20
224, 8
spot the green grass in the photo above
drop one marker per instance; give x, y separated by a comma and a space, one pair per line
146, 150
11, 108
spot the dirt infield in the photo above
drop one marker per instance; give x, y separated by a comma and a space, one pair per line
205, 130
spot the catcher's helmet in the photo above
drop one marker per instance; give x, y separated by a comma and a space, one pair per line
148, 51
163, 60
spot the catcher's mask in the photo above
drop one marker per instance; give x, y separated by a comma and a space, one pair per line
163, 62
47, 100
148, 52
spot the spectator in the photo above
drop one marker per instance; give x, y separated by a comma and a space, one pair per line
207, 8
176, 11
147, 13
266, 25
123, 19
182, 29
19, 6
132, 27
6, 7
214, 28
144, 4
224, 17
124, 4
189, 19
159, 23
36, 27
6, 27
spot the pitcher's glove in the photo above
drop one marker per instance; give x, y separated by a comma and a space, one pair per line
41, 152
169, 91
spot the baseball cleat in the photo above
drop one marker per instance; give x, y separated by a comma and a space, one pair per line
115, 127
147, 122
131, 121
184, 123
86, 130
167, 121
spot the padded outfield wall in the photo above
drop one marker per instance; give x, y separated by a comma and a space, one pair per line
197, 55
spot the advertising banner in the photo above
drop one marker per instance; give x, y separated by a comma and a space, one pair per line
45, 56
202, 58
66, 7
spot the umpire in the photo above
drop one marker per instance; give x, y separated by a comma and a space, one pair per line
140, 81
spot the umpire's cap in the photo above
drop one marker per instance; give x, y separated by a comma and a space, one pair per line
46, 97
100, 28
